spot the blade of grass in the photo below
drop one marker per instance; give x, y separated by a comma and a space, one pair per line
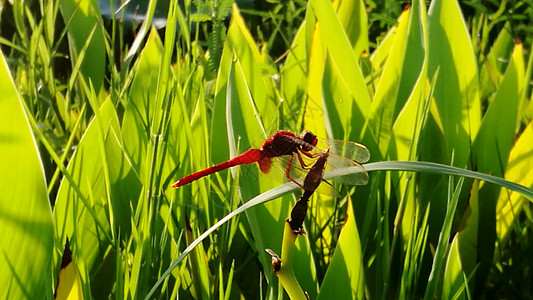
437, 169
442, 247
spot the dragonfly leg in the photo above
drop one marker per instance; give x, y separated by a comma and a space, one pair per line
288, 171
301, 160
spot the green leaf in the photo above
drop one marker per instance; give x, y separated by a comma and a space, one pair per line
260, 199
496, 135
467, 245
344, 278
433, 168
496, 63
456, 90
87, 38
352, 15
453, 281
412, 95
335, 41
381, 118
519, 170
139, 110
314, 118
26, 242
294, 81
411, 98
89, 200
444, 237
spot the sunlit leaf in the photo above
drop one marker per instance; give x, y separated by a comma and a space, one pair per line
352, 15
496, 135
519, 170
344, 278
26, 241
381, 117
496, 63
456, 90
140, 107
83, 207
335, 41
453, 283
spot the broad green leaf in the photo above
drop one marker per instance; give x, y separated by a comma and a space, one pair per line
343, 121
85, 206
496, 134
314, 119
140, 107
335, 41
408, 123
412, 89
69, 285
84, 20
500, 53
468, 232
381, 117
26, 242
462, 256
496, 63
456, 90
344, 278
342, 118
294, 81
266, 221
272, 194
352, 15
256, 68
294, 85
240, 44
453, 282
519, 170
383, 50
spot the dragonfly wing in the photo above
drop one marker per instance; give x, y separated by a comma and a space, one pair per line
325, 188
298, 173
345, 171
351, 150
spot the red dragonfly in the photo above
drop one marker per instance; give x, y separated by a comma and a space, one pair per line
285, 143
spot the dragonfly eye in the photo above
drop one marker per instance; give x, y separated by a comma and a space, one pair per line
309, 137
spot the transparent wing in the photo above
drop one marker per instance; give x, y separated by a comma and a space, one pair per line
346, 171
348, 149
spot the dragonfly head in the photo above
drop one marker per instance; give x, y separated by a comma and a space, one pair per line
309, 137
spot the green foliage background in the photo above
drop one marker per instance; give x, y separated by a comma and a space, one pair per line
98, 119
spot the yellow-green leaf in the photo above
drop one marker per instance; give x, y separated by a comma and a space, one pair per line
456, 90
344, 277
26, 242
519, 170
496, 134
